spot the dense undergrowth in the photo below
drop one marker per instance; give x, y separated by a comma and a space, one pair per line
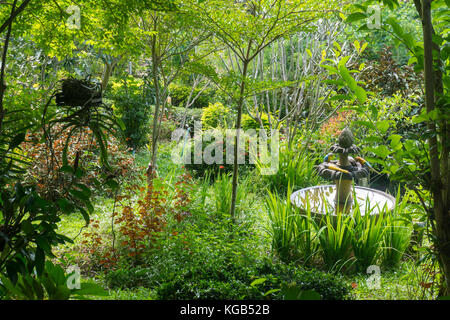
206, 256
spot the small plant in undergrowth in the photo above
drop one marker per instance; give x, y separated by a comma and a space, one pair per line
217, 116
222, 191
156, 211
139, 224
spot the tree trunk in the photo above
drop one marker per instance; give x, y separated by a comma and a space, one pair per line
439, 190
236, 146
155, 62
109, 67
14, 14
3, 61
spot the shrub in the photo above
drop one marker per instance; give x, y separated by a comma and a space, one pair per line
81, 150
139, 224
249, 123
211, 145
331, 129
134, 113
234, 282
179, 95
388, 77
127, 277
216, 116
165, 130
392, 140
131, 102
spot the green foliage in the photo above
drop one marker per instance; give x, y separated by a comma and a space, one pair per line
191, 115
388, 77
394, 138
180, 93
134, 111
338, 67
27, 226
216, 116
293, 292
211, 153
276, 275
28, 223
222, 189
397, 236
59, 40
336, 240
293, 234
368, 235
250, 123
52, 284
296, 167
282, 225
210, 260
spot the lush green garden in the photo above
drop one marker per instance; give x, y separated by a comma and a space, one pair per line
118, 199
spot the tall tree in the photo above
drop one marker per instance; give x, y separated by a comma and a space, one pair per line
246, 28
434, 100
170, 42
431, 55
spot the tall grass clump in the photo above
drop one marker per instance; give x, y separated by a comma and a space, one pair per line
282, 225
203, 190
294, 236
397, 236
306, 237
222, 190
335, 239
296, 168
367, 235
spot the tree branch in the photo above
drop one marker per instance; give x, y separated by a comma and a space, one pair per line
14, 14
